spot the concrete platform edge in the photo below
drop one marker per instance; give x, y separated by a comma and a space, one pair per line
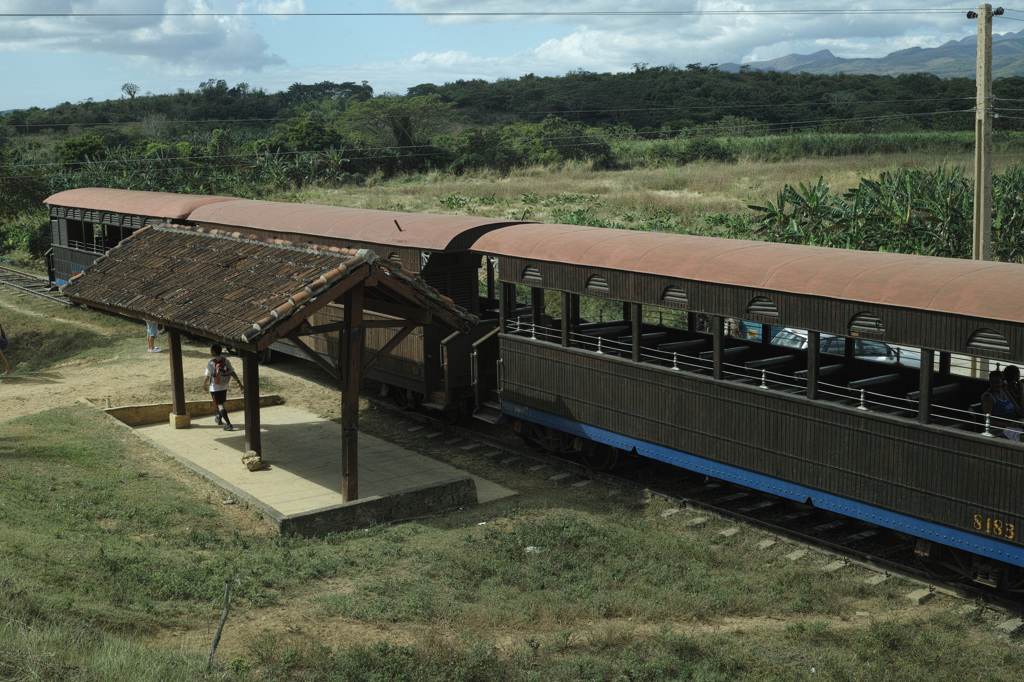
401, 505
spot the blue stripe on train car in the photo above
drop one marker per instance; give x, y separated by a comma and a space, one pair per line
880, 517
60, 282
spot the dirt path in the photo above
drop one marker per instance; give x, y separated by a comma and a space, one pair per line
132, 376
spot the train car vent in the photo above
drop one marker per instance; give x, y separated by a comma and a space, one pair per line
396, 259
532, 275
762, 306
866, 324
92, 217
675, 296
134, 222
597, 285
988, 341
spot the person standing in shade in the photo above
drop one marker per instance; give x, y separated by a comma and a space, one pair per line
219, 373
152, 329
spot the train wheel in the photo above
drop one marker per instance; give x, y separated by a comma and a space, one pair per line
599, 457
531, 434
944, 563
265, 356
456, 414
399, 397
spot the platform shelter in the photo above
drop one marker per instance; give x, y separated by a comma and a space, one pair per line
246, 292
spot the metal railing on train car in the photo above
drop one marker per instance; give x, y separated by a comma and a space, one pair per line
699, 361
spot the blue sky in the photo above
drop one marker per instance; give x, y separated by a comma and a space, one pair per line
46, 60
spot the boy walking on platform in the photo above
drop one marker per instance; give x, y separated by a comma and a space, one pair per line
218, 377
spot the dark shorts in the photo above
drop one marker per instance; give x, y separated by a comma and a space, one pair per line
219, 396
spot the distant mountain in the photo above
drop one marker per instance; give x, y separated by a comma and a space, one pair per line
954, 59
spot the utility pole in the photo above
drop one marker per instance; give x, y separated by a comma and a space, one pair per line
983, 135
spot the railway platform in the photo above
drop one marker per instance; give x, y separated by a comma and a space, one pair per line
299, 488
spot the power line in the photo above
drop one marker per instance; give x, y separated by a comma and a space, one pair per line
621, 13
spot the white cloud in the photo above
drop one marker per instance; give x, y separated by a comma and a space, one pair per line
177, 34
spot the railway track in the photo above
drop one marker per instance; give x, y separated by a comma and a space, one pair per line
30, 284
850, 541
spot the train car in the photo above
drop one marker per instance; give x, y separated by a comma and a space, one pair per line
86, 223
624, 350
607, 343
430, 367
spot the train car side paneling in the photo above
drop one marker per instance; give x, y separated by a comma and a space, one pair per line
872, 459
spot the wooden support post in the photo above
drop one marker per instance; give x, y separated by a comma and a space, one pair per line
568, 321
179, 417
636, 316
813, 363
251, 404
691, 321
924, 403
537, 304
945, 362
506, 299
490, 276
718, 350
982, 247
350, 361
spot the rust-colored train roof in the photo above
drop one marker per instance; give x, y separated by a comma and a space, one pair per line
240, 288
392, 228
984, 289
133, 202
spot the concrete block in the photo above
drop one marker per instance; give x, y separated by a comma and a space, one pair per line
766, 544
138, 415
580, 484
670, 512
510, 460
699, 521
834, 566
877, 579
1010, 627
181, 421
921, 597
797, 555
561, 479
729, 532
535, 469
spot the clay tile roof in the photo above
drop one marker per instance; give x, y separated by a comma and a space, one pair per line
235, 288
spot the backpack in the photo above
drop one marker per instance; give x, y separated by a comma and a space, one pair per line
221, 371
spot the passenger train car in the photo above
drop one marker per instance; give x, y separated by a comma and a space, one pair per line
609, 342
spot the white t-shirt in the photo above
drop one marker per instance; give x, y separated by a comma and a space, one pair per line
222, 383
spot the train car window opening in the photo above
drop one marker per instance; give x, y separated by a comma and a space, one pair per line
76, 233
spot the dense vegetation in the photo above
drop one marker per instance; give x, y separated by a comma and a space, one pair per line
242, 141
